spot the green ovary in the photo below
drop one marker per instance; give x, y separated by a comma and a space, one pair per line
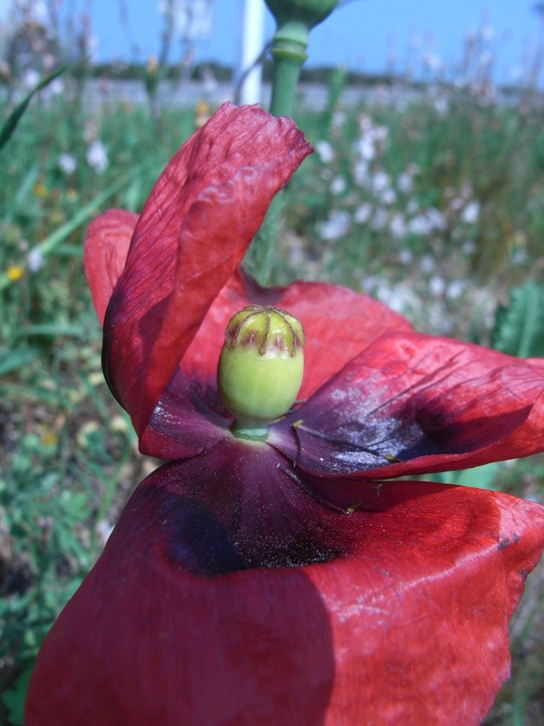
261, 367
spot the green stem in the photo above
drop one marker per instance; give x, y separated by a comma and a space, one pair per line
289, 53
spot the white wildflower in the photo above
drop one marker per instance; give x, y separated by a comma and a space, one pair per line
370, 283
336, 226
437, 219
360, 172
380, 181
35, 260
362, 213
455, 289
457, 203
97, 156
406, 257
437, 286
31, 78
67, 163
365, 147
380, 133
388, 197
427, 263
420, 225
55, 88
405, 182
399, 298
338, 185
324, 151
397, 226
471, 213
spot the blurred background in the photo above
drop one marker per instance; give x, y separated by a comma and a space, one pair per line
426, 191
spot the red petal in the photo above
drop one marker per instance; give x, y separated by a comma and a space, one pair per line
334, 318
443, 576
405, 622
106, 248
183, 424
434, 404
189, 239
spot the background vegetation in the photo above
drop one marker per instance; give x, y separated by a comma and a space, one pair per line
429, 197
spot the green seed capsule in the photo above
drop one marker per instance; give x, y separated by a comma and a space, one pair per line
261, 367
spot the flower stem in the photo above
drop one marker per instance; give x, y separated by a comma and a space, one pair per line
289, 53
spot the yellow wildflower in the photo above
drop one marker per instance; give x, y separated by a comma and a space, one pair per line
15, 272
40, 190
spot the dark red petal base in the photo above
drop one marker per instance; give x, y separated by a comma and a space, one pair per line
414, 404
196, 613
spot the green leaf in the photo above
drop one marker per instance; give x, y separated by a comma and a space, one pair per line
15, 116
14, 700
519, 326
16, 359
75, 506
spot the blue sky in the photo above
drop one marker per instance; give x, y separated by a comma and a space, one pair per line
360, 35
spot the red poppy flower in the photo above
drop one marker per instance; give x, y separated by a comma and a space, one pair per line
286, 581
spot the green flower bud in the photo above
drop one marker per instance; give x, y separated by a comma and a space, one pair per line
309, 12
260, 367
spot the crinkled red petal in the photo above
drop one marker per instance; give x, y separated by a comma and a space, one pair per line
338, 323
192, 234
106, 248
226, 594
413, 404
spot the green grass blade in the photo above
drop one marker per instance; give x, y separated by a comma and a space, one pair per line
65, 230
53, 330
17, 359
15, 116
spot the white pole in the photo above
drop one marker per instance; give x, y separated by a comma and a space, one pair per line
252, 45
